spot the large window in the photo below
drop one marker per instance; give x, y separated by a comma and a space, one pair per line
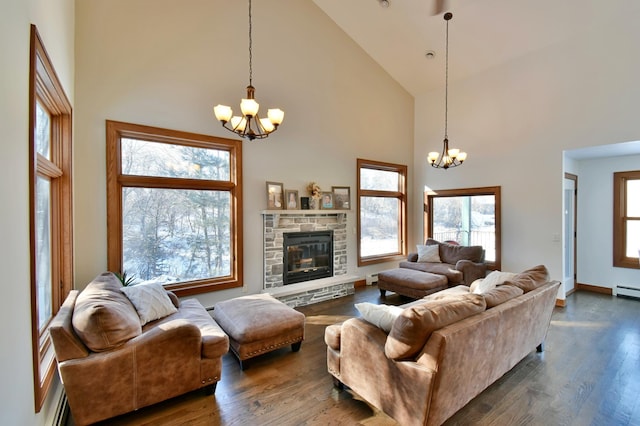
174, 203
50, 208
626, 219
469, 217
382, 211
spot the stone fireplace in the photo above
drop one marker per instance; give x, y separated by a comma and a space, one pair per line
277, 224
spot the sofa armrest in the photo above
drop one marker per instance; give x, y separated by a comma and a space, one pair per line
471, 271
402, 389
332, 335
160, 363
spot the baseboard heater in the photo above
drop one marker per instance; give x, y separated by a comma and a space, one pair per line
626, 290
371, 278
62, 410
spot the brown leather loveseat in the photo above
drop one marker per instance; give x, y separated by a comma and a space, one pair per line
110, 363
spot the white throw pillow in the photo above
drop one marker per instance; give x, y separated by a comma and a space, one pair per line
150, 300
428, 254
382, 316
491, 281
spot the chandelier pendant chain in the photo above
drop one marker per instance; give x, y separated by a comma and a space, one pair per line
250, 47
446, 84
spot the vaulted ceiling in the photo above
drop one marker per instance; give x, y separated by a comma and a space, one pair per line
482, 33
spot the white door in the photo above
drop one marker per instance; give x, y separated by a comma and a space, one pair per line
569, 239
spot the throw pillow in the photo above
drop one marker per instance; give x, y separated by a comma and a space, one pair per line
414, 326
450, 253
382, 316
428, 254
501, 294
450, 292
103, 317
491, 281
531, 278
150, 300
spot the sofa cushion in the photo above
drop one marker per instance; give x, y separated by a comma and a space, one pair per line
150, 300
428, 254
501, 294
531, 278
103, 316
414, 326
495, 278
382, 316
458, 290
453, 275
450, 253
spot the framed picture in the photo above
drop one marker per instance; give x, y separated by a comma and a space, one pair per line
341, 197
304, 203
291, 199
326, 200
275, 196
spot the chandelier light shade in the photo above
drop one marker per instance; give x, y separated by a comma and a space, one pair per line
450, 157
249, 125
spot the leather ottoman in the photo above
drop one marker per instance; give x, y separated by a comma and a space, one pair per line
258, 324
411, 283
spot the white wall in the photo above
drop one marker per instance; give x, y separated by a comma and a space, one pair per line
54, 19
156, 62
595, 222
515, 120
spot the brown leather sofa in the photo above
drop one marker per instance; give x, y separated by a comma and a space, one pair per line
460, 264
131, 365
443, 350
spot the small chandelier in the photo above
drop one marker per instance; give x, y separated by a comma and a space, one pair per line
450, 157
249, 125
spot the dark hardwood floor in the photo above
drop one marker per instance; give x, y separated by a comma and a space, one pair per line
589, 374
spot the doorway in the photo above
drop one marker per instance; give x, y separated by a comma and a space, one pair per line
570, 196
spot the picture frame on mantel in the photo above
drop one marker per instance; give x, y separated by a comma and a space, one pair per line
275, 196
341, 197
326, 200
291, 199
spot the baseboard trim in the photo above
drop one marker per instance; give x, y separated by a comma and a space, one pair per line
595, 289
561, 303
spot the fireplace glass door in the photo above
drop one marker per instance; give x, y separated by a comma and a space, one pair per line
307, 256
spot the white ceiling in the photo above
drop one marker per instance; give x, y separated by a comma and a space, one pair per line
482, 34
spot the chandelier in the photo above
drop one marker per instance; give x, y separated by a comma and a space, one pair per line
451, 157
249, 125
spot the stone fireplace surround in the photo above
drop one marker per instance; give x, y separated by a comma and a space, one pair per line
278, 222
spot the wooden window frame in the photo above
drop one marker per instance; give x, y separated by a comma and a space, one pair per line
45, 88
620, 259
116, 181
400, 195
488, 190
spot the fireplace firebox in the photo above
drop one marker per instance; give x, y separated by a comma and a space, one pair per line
307, 256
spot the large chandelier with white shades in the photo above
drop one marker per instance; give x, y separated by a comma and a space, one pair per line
249, 125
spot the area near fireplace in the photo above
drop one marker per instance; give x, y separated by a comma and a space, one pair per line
277, 224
